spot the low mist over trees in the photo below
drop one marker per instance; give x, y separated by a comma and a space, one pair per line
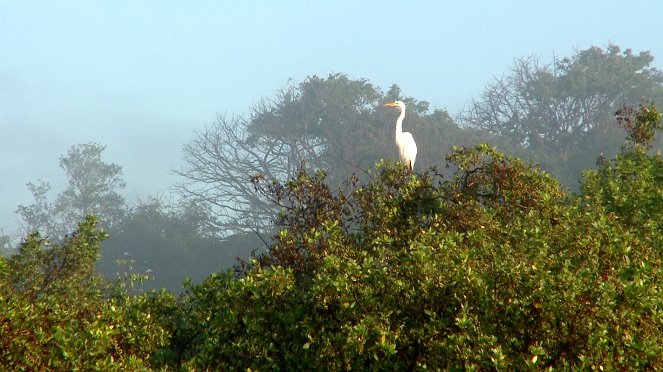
475, 260
169, 244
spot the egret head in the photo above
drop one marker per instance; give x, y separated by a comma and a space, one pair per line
398, 104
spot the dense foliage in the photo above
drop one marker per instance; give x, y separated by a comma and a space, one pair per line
58, 314
494, 268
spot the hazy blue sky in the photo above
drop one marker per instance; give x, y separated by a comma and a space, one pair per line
141, 76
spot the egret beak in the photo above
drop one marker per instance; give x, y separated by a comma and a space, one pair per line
390, 104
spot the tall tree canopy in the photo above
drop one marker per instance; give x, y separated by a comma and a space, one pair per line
561, 115
334, 123
92, 188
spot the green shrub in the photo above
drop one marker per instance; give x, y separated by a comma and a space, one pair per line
55, 315
496, 268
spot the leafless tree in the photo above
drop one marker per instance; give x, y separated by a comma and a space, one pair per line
221, 162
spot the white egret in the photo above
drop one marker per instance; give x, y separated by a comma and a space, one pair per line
407, 148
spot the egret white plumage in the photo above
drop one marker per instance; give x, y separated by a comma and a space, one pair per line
407, 148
